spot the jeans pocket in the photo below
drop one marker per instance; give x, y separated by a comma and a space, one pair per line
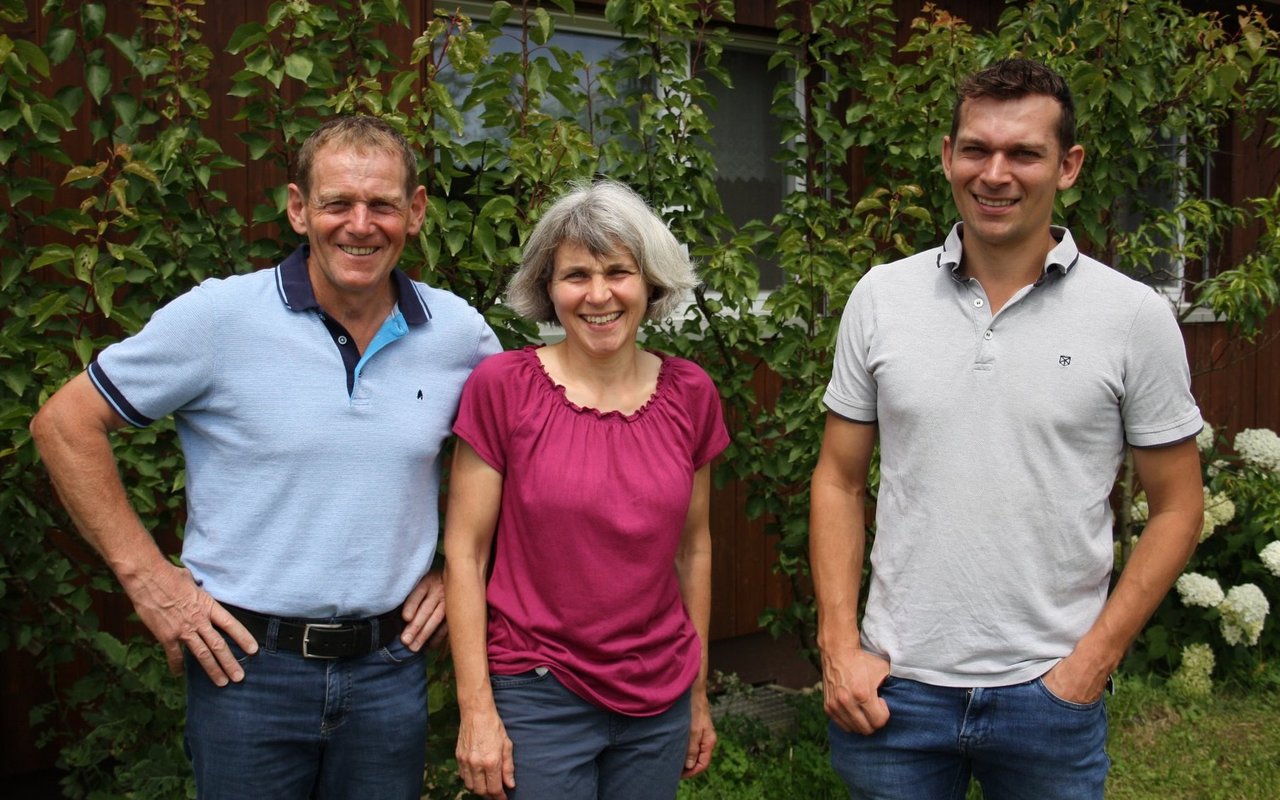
1068, 704
397, 652
519, 679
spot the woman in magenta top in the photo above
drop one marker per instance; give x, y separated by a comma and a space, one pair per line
577, 542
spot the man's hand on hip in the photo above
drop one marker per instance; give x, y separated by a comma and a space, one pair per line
424, 621
181, 614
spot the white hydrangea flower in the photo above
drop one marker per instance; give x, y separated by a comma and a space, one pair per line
1138, 510
1243, 613
1215, 469
1218, 510
1270, 556
1204, 439
1193, 674
1260, 447
1195, 589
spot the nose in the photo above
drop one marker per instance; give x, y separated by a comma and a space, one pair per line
996, 169
598, 293
360, 220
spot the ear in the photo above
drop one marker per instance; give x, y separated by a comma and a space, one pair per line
296, 207
1069, 170
417, 210
946, 156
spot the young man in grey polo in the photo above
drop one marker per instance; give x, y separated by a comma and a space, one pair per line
312, 401
1004, 373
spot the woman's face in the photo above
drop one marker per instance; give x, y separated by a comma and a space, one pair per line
600, 302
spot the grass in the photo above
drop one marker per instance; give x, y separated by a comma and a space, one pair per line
1224, 747
1162, 746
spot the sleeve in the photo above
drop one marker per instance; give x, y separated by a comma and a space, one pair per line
483, 410
487, 343
165, 366
1157, 408
851, 392
710, 435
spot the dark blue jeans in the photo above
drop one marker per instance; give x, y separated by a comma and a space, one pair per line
568, 749
303, 728
1018, 741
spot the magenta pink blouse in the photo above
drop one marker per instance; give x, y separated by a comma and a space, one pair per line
593, 506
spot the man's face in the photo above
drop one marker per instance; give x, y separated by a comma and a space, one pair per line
357, 220
1005, 167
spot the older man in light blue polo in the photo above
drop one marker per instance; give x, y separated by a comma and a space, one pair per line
312, 400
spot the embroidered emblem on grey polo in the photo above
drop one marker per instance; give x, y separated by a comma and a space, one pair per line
419, 394
1064, 361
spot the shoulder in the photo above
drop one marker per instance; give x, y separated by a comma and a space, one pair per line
1110, 289
906, 273
504, 368
686, 376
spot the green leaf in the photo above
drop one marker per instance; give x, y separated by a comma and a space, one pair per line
93, 16
298, 66
86, 258
401, 85
98, 79
31, 57
51, 254
59, 43
246, 36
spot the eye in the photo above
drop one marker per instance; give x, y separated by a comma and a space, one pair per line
620, 273
335, 206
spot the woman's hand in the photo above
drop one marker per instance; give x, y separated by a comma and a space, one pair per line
485, 755
702, 736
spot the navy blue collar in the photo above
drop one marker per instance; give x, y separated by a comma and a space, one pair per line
294, 283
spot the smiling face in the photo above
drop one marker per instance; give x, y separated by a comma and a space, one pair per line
1005, 166
600, 301
357, 219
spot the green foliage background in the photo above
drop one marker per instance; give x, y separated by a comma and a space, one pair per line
861, 139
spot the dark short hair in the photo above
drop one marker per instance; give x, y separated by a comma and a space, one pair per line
361, 133
1015, 78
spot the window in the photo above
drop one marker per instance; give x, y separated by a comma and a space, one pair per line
745, 137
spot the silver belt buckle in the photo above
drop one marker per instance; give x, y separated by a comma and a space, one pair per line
306, 637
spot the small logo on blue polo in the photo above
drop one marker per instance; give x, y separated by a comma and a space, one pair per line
1063, 361
419, 394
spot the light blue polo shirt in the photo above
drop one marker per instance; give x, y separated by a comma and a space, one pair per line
1000, 440
313, 473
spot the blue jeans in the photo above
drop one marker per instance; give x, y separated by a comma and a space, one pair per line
310, 728
1017, 741
568, 749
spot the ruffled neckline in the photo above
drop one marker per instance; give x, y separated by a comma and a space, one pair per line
531, 354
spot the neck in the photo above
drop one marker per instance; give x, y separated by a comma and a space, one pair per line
588, 370
1003, 270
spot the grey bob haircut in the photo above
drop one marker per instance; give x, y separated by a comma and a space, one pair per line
605, 217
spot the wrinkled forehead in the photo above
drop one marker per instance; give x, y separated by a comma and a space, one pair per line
348, 165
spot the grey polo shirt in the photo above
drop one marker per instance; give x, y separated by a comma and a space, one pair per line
1000, 440
312, 471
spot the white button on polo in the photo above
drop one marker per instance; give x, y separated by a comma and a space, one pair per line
977, 303
987, 334
343, 339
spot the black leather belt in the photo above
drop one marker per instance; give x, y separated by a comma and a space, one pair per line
322, 638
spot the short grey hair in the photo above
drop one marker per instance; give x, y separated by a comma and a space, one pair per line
605, 217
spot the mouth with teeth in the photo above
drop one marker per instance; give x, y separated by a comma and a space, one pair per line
357, 251
601, 319
991, 202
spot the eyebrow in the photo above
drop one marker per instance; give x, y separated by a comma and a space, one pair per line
974, 141
338, 197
